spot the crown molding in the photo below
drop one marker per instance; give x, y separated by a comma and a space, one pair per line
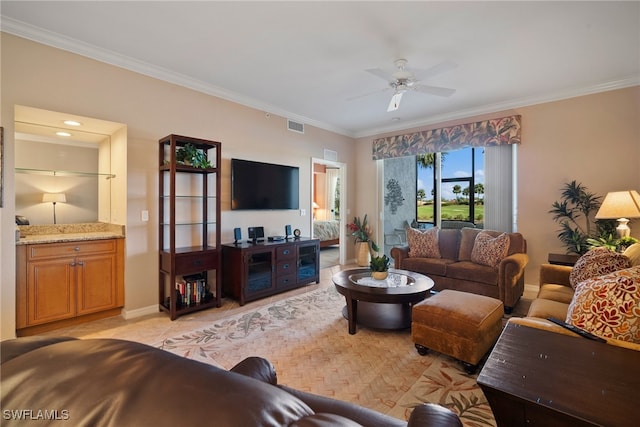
39, 35
507, 105
49, 38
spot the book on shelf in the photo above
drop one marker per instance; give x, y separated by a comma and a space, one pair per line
192, 290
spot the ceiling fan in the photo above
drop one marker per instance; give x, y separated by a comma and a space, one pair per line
404, 80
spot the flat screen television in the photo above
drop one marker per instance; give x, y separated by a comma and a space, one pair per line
263, 186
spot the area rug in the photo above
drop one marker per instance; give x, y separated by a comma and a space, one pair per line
306, 339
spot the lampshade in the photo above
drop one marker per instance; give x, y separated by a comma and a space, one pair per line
620, 204
315, 205
54, 198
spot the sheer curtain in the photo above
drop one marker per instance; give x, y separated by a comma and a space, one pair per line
332, 182
500, 201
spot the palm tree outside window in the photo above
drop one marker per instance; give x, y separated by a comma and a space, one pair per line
451, 189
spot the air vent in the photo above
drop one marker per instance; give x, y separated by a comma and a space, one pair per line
295, 126
330, 155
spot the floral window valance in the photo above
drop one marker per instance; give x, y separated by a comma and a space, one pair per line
502, 131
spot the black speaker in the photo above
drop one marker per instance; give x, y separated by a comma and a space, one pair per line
237, 234
287, 231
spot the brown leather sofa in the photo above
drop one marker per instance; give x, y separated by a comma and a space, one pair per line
108, 382
455, 270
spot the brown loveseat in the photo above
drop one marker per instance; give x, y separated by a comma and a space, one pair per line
455, 270
553, 300
108, 382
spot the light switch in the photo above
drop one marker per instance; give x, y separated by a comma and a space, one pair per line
144, 216
303, 212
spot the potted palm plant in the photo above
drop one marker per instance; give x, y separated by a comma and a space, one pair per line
379, 267
574, 212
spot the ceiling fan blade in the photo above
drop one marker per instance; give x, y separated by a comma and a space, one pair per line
434, 90
435, 70
368, 94
379, 73
395, 102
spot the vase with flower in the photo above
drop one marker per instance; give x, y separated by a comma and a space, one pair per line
364, 244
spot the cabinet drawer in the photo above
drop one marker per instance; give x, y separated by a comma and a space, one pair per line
285, 252
195, 262
286, 267
284, 282
57, 250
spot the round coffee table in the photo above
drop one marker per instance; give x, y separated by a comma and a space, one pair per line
385, 304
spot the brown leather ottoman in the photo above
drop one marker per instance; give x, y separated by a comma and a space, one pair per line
458, 324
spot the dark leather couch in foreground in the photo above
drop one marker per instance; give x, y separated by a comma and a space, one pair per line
107, 382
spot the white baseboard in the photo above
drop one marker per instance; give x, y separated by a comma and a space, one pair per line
139, 312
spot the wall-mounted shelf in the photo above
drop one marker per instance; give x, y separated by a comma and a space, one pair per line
63, 173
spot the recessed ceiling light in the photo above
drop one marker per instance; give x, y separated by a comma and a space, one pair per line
63, 134
395, 119
72, 123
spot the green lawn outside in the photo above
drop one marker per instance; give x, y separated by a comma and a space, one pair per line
451, 212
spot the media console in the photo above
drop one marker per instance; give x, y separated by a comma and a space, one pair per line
254, 271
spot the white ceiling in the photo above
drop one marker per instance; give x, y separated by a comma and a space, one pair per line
305, 60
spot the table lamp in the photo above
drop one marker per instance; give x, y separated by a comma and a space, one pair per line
620, 205
54, 198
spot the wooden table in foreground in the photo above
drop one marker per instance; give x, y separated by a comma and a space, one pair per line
540, 378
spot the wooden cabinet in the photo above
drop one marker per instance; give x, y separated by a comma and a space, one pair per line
59, 284
535, 377
255, 271
189, 223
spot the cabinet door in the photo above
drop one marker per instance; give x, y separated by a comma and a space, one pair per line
259, 273
96, 276
308, 262
51, 290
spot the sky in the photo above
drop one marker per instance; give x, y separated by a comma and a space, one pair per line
456, 164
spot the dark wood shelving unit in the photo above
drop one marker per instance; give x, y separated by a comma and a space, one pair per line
189, 234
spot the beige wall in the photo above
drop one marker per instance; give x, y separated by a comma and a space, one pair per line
43, 77
592, 139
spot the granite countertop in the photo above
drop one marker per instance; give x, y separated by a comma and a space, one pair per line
34, 234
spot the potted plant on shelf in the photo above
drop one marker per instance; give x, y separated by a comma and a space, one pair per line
379, 267
364, 244
188, 154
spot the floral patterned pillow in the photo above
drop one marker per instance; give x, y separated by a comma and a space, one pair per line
609, 305
489, 250
423, 244
597, 262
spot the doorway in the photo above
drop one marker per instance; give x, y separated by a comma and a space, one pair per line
328, 191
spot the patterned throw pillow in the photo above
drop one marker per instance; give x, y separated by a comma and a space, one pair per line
597, 262
423, 244
489, 250
633, 253
609, 305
